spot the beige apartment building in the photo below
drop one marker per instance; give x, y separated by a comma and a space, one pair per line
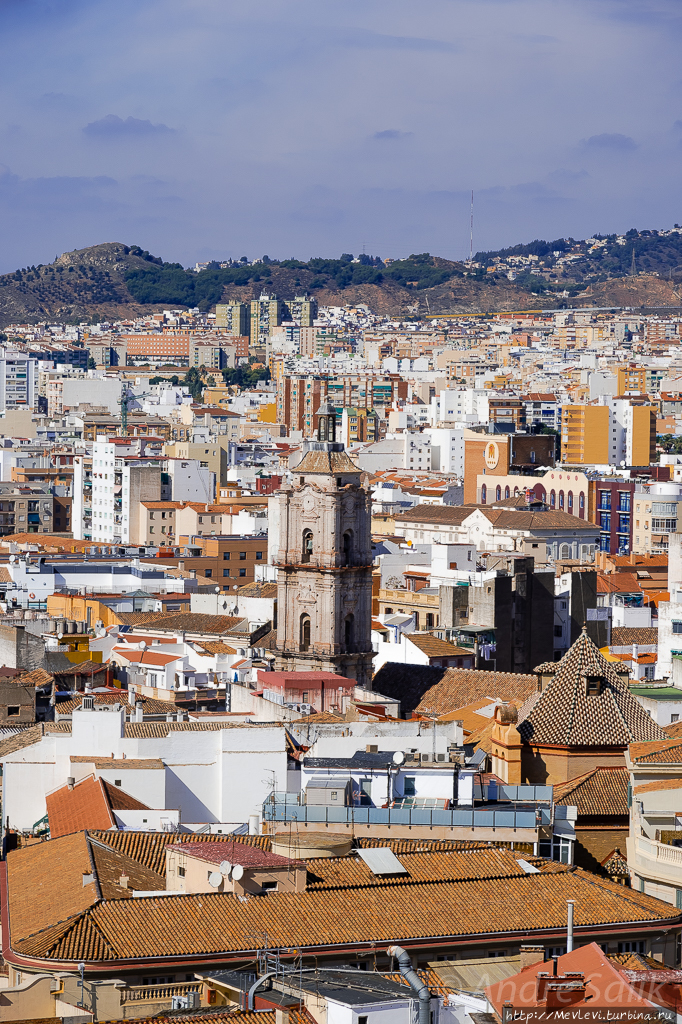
656, 517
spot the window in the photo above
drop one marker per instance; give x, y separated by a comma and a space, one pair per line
226, 572
409, 788
633, 946
674, 718
498, 492
242, 572
304, 638
181, 872
347, 546
677, 626
349, 629
242, 556
307, 548
429, 620
593, 686
13, 710
552, 499
362, 1019
268, 886
484, 494
208, 572
558, 631
561, 499
259, 556
117, 782
226, 556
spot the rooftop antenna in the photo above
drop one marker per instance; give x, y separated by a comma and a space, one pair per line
471, 230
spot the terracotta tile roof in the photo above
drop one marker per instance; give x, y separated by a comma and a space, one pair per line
5, 576
119, 800
123, 763
84, 806
320, 716
267, 590
434, 647
674, 729
24, 738
460, 686
149, 848
654, 787
635, 961
503, 519
186, 622
147, 657
200, 924
564, 713
215, 647
602, 792
240, 853
124, 697
37, 903
328, 463
206, 1015
623, 636
666, 751
429, 866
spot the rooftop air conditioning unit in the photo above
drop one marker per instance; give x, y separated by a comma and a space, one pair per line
426, 757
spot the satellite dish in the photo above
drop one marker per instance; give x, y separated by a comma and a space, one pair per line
215, 879
142, 645
225, 868
398, 757
12, 558
237, 872
60, 636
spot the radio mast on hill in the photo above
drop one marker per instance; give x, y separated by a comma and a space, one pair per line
471, 230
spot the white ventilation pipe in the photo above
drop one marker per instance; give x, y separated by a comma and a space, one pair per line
569, 932
414, 981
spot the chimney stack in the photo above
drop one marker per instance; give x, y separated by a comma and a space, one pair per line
123, 881
70, 782
531, 955
139, 711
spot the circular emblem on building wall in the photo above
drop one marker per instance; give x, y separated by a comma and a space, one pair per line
492, 454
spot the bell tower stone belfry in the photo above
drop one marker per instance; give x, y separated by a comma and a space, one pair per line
324, 563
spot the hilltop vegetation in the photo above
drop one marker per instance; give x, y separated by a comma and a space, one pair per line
567, 264
115, 281
170, 283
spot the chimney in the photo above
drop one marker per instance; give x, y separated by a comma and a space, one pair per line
372, 748
139, 711
70, 782
531, 955
123, 881
281, 1015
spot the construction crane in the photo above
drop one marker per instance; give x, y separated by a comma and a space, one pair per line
126, 398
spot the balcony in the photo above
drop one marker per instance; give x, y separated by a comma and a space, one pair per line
487, 821
158, 993
653, 860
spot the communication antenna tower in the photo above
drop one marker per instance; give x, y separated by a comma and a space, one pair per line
471, 230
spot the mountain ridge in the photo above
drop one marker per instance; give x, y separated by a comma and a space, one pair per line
113, 281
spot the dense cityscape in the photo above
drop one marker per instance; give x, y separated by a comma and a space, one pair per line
341, 661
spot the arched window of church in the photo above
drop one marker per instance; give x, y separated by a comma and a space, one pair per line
307, 550
506, 492
570, 502
498, 493
565, 551
348, 547
349, 624
322, 428
484, 494
552, 499
561, 499
304, 643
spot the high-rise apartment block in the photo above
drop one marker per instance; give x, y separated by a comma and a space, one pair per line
616, 432
18, 380
268, 311
233, 315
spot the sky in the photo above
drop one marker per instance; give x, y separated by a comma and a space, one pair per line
208, 129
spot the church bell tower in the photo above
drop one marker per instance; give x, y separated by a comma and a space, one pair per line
324, 562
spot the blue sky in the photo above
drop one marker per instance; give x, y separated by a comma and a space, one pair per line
202, 129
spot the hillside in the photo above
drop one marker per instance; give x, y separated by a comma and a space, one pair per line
115, 281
